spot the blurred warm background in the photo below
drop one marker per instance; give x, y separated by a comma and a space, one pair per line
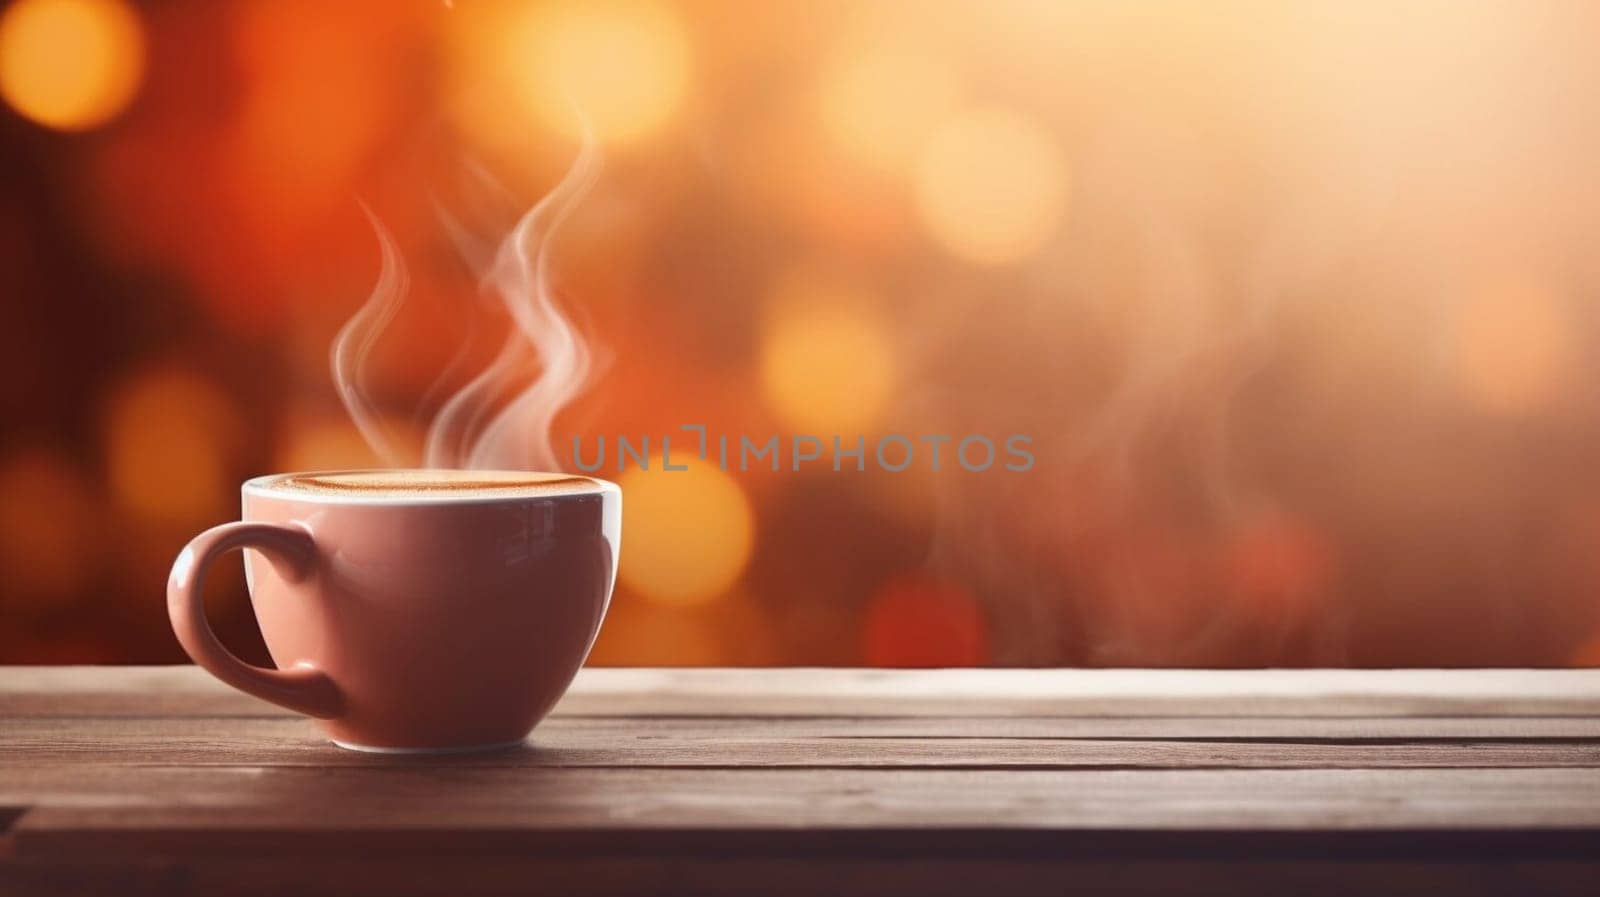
1299, 301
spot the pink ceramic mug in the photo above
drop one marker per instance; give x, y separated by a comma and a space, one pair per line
413, 611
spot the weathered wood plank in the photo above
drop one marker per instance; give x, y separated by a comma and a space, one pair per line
784, 875
83, 691
690, 743
1329, 728
1093, 692
1286, 728
122, 691
789, 875
295, 808
160, 780
1345, 728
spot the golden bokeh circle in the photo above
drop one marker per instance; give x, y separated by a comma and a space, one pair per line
169, 438
991, 186
827, 357
688, 533
70, 64
620, 69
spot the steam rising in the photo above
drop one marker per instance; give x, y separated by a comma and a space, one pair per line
353, 346
478, 427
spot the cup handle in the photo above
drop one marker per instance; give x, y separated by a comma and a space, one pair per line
302, 688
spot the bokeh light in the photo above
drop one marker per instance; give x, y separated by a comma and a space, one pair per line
49, 530
1277, 565
880, 102
918, 621
70, 64
1514, 346
991, 186
621, 67
689, 532
827, 356
170, 440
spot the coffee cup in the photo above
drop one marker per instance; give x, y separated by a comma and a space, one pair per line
413, 611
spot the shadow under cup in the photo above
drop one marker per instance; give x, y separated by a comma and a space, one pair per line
406, 621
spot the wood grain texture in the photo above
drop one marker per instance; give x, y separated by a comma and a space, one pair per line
207, 807
787, 875
690, 742
159, 780
78, 691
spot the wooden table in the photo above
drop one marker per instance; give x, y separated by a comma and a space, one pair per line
159, 780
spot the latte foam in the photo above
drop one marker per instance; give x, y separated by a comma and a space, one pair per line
401, 484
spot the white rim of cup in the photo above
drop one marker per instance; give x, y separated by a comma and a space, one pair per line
262, 486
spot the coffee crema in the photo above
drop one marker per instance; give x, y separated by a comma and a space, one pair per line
433, 483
